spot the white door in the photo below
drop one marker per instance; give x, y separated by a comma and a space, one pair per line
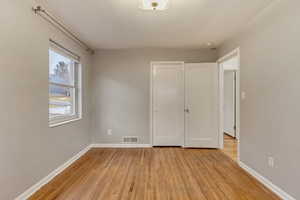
229, 103
168, 104
201, 97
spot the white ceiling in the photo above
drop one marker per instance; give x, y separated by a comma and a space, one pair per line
110, 24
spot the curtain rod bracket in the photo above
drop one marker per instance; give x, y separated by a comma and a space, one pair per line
38, 9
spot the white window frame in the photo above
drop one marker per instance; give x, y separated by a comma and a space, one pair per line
77, 97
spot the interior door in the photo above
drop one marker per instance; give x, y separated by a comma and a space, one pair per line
168, 104
229, 103
201, 97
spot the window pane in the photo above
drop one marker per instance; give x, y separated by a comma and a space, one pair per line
61, 101
61, 69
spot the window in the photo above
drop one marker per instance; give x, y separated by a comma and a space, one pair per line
64, 88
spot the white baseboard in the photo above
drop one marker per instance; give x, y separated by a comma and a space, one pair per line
282, 194
121, 145
25, 195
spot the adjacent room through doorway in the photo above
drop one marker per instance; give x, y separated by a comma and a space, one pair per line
229, 82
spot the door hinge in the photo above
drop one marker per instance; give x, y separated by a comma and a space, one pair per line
187, 110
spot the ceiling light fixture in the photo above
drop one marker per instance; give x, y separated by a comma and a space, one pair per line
154, 5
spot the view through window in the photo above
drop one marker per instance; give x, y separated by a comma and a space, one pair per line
63, 88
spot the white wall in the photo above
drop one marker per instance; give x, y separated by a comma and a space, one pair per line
29, 150
121, 90
270, 74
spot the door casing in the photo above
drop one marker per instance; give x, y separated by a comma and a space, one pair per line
236, 52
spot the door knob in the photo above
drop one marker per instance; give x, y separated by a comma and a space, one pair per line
187, 110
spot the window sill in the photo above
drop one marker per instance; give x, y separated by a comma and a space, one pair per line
55, 124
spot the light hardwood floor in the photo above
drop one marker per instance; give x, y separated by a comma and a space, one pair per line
154, 174
230, 147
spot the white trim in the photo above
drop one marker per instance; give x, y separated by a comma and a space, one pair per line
235, 52
29, 192
282, 194
151, 93
121, 145
79, 90
229, 55
221, 109
52, 125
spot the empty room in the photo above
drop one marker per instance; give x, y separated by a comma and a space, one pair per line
149, 100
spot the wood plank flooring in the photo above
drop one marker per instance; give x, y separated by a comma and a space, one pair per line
154, 174
230, 147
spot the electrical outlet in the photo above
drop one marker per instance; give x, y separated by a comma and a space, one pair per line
243, 95
271, 162
109, 131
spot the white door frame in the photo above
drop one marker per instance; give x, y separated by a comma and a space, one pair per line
235, 52
151, 93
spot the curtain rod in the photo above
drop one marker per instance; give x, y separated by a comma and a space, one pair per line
52, 20
65, 49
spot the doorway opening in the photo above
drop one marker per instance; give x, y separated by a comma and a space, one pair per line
229, 69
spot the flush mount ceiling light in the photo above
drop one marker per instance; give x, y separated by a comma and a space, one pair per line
154, 4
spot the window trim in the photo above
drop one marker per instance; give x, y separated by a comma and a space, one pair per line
52, 125
77, 86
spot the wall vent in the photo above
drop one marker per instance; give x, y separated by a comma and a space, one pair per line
130, 139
